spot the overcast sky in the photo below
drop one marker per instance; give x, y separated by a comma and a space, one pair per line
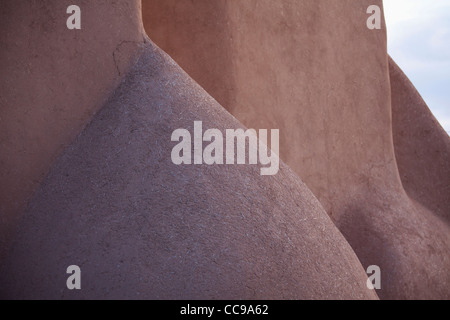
419, 41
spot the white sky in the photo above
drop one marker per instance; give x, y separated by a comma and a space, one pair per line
419, 41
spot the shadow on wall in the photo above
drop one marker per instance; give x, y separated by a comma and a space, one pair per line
422, 147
